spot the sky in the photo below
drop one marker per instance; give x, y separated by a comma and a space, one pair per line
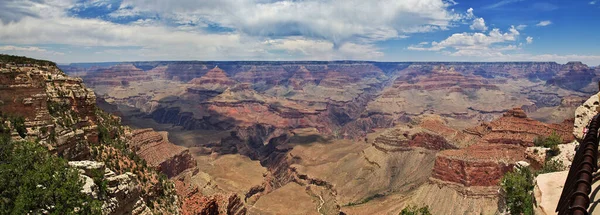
67, 31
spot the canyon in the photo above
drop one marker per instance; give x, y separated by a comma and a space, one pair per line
345, 136
349, 137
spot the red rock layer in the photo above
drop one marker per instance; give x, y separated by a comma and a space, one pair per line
118, 75
440, 78
193, 202
405, 139
301, 77
213, 76
154, 147
30, 92
477, 165
515, 128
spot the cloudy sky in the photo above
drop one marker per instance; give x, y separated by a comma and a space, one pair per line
383, 30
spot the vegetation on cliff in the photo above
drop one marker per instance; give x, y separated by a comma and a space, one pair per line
24, 60
518, 187
61, 115
32, 181
115, 152
550, 142
414, 210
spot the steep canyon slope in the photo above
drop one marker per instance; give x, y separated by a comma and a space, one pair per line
357, 137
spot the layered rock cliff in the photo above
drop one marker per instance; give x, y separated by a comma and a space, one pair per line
58, 112
158, 152
515, 128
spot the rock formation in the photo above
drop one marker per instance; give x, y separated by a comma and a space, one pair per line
118, 75
58, 112
214, 80
302, 124
122, 194
155, 148
477, 165
584, 114
515, 128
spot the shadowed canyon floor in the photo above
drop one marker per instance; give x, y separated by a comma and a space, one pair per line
352, 137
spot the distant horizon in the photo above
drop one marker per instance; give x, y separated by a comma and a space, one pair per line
323, 61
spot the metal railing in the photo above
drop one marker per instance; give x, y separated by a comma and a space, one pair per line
575, 197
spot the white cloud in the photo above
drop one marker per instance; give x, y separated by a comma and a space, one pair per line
338, 21
544, 23
468, 43
501, 3
521, 27
470, 14
479, 25
27, 49
529, 40
350, 27
593, 2
590, 59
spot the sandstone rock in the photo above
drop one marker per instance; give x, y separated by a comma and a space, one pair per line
404, 139
155, 148
547, 191
58, 110
515, 128
536, 154
477, 165
522, 164
584, 114
123, 193
87, 166
89, 187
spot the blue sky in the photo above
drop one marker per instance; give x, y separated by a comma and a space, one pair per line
382, 30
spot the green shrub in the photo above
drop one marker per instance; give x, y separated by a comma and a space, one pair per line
414, 210
518, 188
98, 177
550, 142
19, 124
551, 166
32, 181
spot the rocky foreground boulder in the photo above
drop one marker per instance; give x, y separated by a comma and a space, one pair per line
121, 194
584, 114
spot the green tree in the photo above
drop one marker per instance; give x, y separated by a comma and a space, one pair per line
518, 188
19, 124
33, 181
414, 210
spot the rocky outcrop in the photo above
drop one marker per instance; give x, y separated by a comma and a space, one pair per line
155, 148
59, 112
477, 165
57, 109
122, 194
214, 80
194, 202
584, 114
516, 129
404, 139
